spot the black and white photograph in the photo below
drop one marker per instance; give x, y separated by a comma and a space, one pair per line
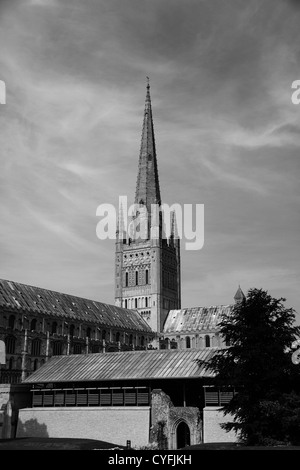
150, 228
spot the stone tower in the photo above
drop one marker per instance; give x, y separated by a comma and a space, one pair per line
147, 268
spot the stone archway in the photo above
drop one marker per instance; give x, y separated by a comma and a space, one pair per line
183, 435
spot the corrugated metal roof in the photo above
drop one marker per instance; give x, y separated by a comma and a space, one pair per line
195, 319
35, 300
129, 365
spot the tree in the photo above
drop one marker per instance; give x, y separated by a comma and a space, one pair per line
257, 363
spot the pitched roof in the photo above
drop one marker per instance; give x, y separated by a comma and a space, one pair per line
21, 297
195, 319
129, 365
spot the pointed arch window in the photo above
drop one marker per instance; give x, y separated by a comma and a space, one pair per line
11, 321
188, 342
10, 342
36, 347
147, 276
136, 278
207, 341
33, 324
77, 348
126, 279
57, 348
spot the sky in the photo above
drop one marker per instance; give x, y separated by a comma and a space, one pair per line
227, 136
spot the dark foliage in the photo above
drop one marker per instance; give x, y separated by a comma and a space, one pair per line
257, 363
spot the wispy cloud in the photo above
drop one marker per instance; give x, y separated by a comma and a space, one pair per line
227, 136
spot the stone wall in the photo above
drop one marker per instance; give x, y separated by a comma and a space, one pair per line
192, 417
160, 405
12, 398
165, 418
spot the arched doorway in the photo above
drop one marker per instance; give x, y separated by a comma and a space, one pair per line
183, 436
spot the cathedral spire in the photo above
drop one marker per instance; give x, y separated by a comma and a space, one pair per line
120, 229
147, 186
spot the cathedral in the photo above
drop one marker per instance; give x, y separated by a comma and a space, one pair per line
37, 323
136, 367
147, 269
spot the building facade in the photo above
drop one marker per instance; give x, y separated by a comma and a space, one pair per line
37, 323
147, 263
151, 398
157, 397
197, 327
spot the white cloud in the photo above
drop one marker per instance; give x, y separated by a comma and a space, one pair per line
70, 133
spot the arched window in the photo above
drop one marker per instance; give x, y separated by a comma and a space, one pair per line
125, 303
72, 329
88, 332
103, 334
126, 279
54, 327
36, 347
10, 342
188, 342
207, 341
117, 336
135, 303
95, 348
11, 321
147, 276
136, 278
77, 348
57, 348
146, 302
142, 341
33, 324
19, 363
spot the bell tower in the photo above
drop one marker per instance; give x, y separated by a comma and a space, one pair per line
147, 267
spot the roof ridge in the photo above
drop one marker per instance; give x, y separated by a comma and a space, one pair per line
45, 301
201, 306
